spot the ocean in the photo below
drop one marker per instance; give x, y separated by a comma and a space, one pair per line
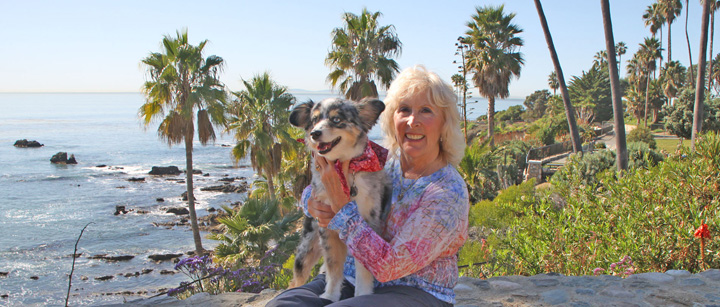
44, 206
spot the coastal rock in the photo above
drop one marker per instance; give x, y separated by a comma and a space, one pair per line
27, 144
227, 188
159, 199
120, 209
4, 274
147, 271
165, 170
112, 258
62, 158
178, 211
136, 179
184, 196
34, 277
104, 278
101, 165
166, 272
164, 257
4, 296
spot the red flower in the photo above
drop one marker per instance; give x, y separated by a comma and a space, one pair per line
703, 232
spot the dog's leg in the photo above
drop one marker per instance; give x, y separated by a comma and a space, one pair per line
308, 253
335, 252
364, 280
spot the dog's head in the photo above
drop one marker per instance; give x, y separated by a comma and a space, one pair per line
337, 128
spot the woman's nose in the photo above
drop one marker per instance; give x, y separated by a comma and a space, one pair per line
412, 121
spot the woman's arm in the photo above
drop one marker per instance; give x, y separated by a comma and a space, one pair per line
436, 228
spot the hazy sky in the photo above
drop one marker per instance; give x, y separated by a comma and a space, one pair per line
96, 46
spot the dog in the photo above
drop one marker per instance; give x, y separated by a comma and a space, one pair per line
337, 129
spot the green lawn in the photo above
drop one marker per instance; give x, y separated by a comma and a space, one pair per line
670, 145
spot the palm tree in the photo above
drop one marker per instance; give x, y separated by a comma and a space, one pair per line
714, 6
361, 54
259, 118
672, 78
494, 58
181, 83
553, 82
670, 9
621, 49
650, 52
457, 81
700, 85
569, 112
600, 58
687, 38
654, 18
619, 121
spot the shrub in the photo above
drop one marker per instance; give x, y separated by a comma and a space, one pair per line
642, 134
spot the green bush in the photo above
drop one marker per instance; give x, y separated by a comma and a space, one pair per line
642, 134
648, 215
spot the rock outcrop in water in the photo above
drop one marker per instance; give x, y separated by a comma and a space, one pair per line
165, 170
62, 158
27, 144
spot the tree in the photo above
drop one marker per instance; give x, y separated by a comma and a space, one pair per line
591, 95
569, 113
259, 118
654, 18
679, 116
672, 79
182, 82
714, 6
670, 9
621, 49
553, 82
536, 103
361, 54
621, 156
494, 57
600, 58
650, 51
687, 38
700, 84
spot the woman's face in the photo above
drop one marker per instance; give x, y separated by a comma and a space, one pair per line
418, 125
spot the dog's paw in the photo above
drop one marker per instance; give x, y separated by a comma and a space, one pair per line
334, 297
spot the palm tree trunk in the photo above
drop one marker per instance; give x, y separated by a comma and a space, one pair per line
621, 156
710, 54
687, 37
569, 112
669, 36
647, 99
700, 85
199, 250
271, 185
491, 120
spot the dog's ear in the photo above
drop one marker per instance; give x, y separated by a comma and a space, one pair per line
300, 115
370, 109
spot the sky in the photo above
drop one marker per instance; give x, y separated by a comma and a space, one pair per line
97, 46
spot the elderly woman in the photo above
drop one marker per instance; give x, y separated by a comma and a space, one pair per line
415, 258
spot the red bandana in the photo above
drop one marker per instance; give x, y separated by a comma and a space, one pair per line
372, 160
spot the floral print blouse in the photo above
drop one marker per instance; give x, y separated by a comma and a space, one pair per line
423, 232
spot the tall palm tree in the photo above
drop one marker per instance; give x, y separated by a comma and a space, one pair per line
654, 18
259, 118
700, 85
569, 112
361, 54
714, 6
670, 9
183, 85
620, 49
553, 82
495, 57
619, 121
687, 38
650, 51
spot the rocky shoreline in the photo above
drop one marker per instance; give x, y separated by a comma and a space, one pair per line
672, 288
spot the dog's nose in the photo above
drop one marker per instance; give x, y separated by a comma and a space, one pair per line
315, 134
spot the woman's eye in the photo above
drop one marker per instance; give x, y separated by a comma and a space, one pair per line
403, 109
426, 110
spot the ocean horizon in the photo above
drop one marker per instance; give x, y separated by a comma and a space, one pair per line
46, 205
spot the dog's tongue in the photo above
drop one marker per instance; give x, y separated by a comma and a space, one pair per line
324, 146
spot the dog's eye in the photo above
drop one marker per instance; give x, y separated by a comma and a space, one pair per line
336, 120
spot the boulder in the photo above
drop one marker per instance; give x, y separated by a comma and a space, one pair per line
113, 258
184, 196
136, 179
164, 257
27, 144
104, 278
178, 211
165, 170
4, 274
60, 157
120, 209
71, 160
159, 199
227, 188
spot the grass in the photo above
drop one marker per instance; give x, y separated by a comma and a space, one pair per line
670, 145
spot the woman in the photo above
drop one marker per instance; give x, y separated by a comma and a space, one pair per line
415, 258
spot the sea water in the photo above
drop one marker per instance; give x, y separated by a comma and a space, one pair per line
44, 206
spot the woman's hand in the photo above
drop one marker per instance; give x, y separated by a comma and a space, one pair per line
320, 211
331, 181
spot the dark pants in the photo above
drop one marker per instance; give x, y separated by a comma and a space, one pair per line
309, 295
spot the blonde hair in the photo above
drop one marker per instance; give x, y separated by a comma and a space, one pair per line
417, 80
